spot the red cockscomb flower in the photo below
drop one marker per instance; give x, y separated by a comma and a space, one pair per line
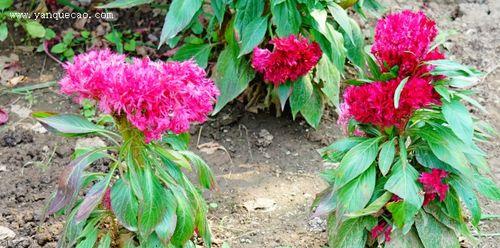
382, 227
106, 199
433, 185
292, 57
404, 39
373, 103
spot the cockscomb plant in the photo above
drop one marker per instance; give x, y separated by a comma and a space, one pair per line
142, 198
411, 160
297, 47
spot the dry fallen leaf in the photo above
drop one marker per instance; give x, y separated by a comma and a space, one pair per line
210, 147
16, 80
9, 66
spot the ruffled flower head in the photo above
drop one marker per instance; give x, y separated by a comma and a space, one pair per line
373, 103
381, 228
155, 97
404, 39
292, 57
433, 185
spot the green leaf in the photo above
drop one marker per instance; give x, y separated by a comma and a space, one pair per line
68, 37
403, 214
355, 46
355, 195
286, 17
200, 52
460, 228
205, 175
67, 123
313, 109
34, 29
356, 161
246, 12
486, 187
426, 158
334, 45
443, 92
179, 15
153, 205
6, 4
350, 233
130, 45
302, 91
92, 198
231, 74
219, 8
166, 228
403, 183
115, 37
399, 89
408, 240
340, 16
58, 48
284, 91
124, 4
252, 35
105, 241
330, 76
69, 53
457, 115
4, 31
185, 218
466, 193
124, 205
386, 156
433, 233
373, 208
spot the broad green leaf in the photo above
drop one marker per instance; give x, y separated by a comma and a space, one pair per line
4, 31
433, 233
302, 91
231, 74
153, 205
179, 15
403, 183
325, 202
313, 109
286, 17
399, 89
67, 123
198, 52
460, 228
386, 156
356, 161
465, 190
403, 214
4, 4
34, 29
426, 158
219, 8
124, 4
332, 43
124, 205
471, 100
178, 142
400, 240
89, 240
443, 92
253, 34
58, 48
452, 205
105, 241
205, 175
185, 218
486, 187
373, 208
355, 46
355, 195
284, 91
340, 16
246, 12
166, 227
350, 233
339, 148
457, 115
327, 73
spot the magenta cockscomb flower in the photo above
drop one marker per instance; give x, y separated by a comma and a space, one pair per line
433, 185
381, 228
404, 39
292, 57
155, 97
373, 103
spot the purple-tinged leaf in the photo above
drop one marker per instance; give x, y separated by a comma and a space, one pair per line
93, 198
327, 202
70, 180
4, 117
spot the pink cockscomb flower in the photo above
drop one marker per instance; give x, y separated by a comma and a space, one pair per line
292, 57
106, 199
381, 228
433, 185
404, 39
373, 103
155, 97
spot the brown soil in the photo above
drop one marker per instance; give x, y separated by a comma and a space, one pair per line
266, 185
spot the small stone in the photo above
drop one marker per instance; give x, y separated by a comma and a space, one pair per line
6, 233
265, 138
94, 142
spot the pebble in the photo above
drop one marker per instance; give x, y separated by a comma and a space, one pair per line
6, 233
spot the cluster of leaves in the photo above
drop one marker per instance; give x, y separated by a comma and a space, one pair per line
144, 199
233, 28
375, 168
71, 42
33, 28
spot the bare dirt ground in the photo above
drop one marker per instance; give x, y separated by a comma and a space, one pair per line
269, 175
